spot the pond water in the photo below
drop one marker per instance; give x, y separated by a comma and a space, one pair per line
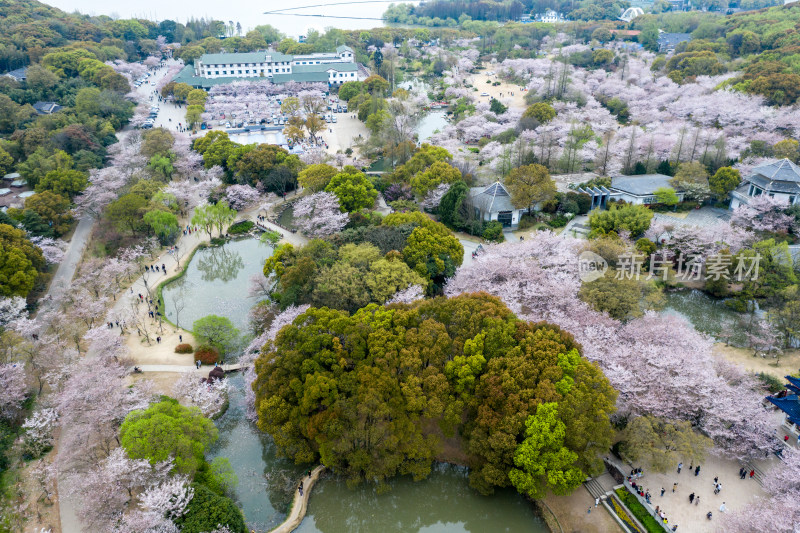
216, 282
431, 123
706, 314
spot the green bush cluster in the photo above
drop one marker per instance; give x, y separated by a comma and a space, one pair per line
241, 227
184, 348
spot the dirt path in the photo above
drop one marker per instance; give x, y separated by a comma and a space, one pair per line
300, 503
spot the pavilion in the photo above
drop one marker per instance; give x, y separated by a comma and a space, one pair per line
788, 401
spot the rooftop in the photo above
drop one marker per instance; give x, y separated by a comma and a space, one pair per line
779, 170
243, 57
643, 185
491, 199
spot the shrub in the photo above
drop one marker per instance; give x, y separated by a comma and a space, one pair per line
770, 382
241, 227
558, 222
639, 511
208, 355
184, 348
493, 231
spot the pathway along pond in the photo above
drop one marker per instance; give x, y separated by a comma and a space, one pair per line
216, 282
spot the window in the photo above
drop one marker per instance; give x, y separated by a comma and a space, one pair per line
217, 73
240, 72
792, 199
224, 71
247, 71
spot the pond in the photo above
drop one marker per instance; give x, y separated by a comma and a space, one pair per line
706, 314
216, 282
431, 123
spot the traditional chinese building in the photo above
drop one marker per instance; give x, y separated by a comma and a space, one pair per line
779, 179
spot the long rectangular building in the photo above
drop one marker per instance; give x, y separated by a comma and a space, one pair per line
333, 68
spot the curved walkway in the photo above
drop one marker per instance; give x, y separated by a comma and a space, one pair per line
300, 503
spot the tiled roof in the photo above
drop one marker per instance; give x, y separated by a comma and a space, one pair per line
643, 185
242, 57
491, 199
779, 170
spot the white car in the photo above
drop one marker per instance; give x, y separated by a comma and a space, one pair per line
484, 94
227, 124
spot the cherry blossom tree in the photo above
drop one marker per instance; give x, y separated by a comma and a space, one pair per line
408, 295
15, 389
169, 498
104, 491
209, 396
319, 215
39, 431
242, 197
52, 249
12, 310
763, 213
434, 197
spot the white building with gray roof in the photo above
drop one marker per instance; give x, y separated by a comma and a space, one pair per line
334, 68
638, 190
494, 203
779, 179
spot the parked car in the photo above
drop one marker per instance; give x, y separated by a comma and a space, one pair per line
334, 120
227, 124
484, 94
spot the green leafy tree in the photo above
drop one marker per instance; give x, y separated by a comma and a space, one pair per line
217, 331
316, 177
663, 443
386, 276
497, 107
620, 298
53, 209
207, 511
126, 212
221, 215
692, 178
349, 89
167, 430
633, 218
724, 180
6, 162
163, 223
530, 185
666, 196
157, 141
542, 460
432, 251
66, 183
439, 172
453, 211
541, 111
353, 190
787, 149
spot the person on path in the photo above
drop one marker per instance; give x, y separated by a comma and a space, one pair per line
589, 510
674, 486
722, 508
663, 491
708, 515
691, 498
716, 479
596, 502
697, 500
180, 338
741, 473
752, 473
697, 470
680, 466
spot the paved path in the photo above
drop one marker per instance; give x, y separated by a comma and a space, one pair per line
300, 503
186, 368
66, 269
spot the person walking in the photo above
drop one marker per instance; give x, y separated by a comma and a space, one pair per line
180, 338
674, 486
691, 498
680, 466
662, 491
741, 473
697, 470
716, 479
697, 500
752, 473
722, 508
596, 502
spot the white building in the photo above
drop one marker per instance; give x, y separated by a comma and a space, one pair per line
334, 68
779, 179
550, 17
494, 203
638, 190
